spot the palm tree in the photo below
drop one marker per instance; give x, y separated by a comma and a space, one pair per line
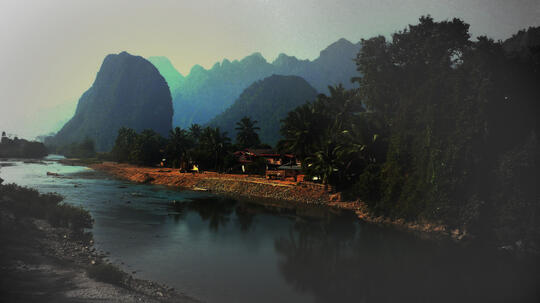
216, 144
247, 135
124, 145
195, 131
330, 135
332, 156
148, 147
178, 147
302, 129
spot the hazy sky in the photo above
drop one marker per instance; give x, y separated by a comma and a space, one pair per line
51, 50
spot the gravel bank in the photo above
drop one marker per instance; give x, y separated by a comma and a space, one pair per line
41, 263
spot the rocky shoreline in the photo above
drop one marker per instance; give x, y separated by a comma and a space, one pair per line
42, 263
256, 187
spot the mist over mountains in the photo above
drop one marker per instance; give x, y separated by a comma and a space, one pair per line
205, 93
130, 91
173, 77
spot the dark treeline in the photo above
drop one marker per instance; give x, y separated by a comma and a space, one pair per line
442, 128
208, 148
84, 149
21, 148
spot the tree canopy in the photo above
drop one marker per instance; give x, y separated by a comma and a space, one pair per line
439, 121
246, 135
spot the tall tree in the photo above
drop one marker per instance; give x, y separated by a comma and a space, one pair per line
149, 147
195, 131
124, 145
178, 147
456, 112
214, 146
247, 133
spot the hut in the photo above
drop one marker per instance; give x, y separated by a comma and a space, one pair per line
290, 172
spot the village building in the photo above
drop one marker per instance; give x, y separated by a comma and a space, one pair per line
277, 166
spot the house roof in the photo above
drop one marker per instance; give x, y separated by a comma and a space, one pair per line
262, 153
290, 167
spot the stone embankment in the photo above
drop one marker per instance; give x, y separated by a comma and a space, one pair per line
244, 186
257, 187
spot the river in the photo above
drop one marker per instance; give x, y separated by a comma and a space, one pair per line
217, 249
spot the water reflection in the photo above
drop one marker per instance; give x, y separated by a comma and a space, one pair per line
342, 261
215, 211
335, 258
222, 250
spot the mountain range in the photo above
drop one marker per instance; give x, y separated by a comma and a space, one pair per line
205, 93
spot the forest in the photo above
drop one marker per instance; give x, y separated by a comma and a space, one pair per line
442, 128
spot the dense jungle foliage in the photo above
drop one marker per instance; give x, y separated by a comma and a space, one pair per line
443, 128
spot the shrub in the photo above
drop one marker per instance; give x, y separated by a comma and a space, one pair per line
27, 202
367, 187
107, 273
74, 217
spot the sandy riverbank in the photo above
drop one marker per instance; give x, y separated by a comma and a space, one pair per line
256, 187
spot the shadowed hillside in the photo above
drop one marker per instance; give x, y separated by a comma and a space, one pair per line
267, 101
128, 92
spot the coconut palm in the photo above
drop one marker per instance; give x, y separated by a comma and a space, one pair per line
195, 131
247, 135
178, 147
215, 144
301, 130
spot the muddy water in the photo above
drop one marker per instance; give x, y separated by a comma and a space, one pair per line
221, 250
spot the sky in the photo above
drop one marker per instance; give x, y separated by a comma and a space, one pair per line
50, 51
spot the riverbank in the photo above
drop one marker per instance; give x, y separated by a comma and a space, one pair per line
245, 186
44, 262
257, 187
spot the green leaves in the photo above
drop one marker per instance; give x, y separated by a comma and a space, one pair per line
450, 109
177, 148
247, 136
333, 137
206, 147
216, 145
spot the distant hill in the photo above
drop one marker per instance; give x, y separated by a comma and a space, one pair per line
173, 77
128, 91
267, 101
203, 93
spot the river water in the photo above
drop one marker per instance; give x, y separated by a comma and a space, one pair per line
221, 250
